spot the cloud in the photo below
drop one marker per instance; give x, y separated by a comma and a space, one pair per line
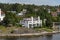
37, 2
41, 2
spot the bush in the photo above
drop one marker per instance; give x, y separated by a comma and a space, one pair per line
18, 25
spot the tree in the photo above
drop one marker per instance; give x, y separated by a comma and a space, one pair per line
10, 19
19, 7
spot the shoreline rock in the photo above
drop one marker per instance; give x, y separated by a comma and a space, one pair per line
29, 34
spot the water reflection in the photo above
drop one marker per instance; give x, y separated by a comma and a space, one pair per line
29, 38
11, 38
45, 37
49, 37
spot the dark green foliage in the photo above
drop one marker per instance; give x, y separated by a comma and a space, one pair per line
10, 19
43, 13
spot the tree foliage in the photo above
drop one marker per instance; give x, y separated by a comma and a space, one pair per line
43, 13
10, 18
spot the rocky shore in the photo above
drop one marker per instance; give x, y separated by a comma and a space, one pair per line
29, 34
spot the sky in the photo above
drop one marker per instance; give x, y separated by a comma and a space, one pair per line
36, 2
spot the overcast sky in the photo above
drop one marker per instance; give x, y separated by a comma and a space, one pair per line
36, 2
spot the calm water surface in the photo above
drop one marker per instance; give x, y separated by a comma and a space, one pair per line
45, 37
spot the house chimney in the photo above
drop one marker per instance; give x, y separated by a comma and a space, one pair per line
32, 18
38, 17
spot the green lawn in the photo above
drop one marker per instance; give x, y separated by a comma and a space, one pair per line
10, 29
44, 29
4, 29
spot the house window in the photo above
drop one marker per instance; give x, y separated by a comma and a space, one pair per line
34, 25
30, 25
37, 24
2, 14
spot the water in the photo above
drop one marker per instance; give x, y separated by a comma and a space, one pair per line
45, 37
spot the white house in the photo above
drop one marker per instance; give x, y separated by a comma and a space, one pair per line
22, 12
31, 22
49, 11
2, 15
12, 11
56, 25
